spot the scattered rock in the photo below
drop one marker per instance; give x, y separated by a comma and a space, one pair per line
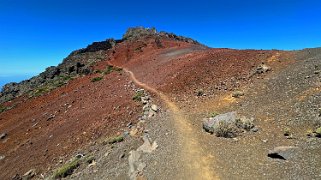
3, 135
151, 113
135, 165
262, 69
129, 125
126, 133
154, 107
282, 152
122, 155
29, 175
146, 107
237, 94
2, 157
147, 147
133, 132
51, 117
16, 177
80, 156
145, 99
255, 129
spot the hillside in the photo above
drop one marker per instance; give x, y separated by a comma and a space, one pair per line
134, 108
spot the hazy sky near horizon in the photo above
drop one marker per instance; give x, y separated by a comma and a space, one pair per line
35, 34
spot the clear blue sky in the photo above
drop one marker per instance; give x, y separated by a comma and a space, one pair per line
35, 34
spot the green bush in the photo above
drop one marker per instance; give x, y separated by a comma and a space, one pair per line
138, 96
287, 131
110, 69
213, 114
3, 108
50, 85
309, 133
199, 92
318, 132
42, 90
95, 79
245, 123
115, 139
225, 129
66, 169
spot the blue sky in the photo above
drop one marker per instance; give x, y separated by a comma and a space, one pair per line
35, 34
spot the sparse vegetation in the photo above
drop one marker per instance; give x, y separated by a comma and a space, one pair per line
89, 159
118, 69
40, 91
95, 79
3, 108
138, 96
245, 123
50, 85
318, 132
110, 69
199, 92
66, 169
309, 133
287, 131
213, 114
225, 129
97, 71
115, 139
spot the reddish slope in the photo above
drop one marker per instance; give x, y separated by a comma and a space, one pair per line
83, 110
184, 68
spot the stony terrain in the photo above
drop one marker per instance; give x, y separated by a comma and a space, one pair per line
135, 108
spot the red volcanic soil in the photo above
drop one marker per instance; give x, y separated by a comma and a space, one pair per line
183, 68
43, 130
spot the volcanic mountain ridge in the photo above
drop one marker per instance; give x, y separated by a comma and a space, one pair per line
133, 108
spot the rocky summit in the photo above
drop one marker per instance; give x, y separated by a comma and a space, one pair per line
155, 105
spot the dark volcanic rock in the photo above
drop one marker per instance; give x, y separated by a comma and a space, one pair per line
98, 46
282, 152
78, 62
137, 32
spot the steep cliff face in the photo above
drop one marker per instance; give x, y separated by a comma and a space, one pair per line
80, 62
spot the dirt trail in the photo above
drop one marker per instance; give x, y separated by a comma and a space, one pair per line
197, 163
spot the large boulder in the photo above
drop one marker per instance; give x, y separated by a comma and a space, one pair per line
223, 125
228, 125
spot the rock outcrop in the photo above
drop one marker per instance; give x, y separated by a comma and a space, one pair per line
139, 32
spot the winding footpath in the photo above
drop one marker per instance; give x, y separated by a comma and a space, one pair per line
196, 161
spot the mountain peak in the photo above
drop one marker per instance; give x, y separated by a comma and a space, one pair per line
134, 33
